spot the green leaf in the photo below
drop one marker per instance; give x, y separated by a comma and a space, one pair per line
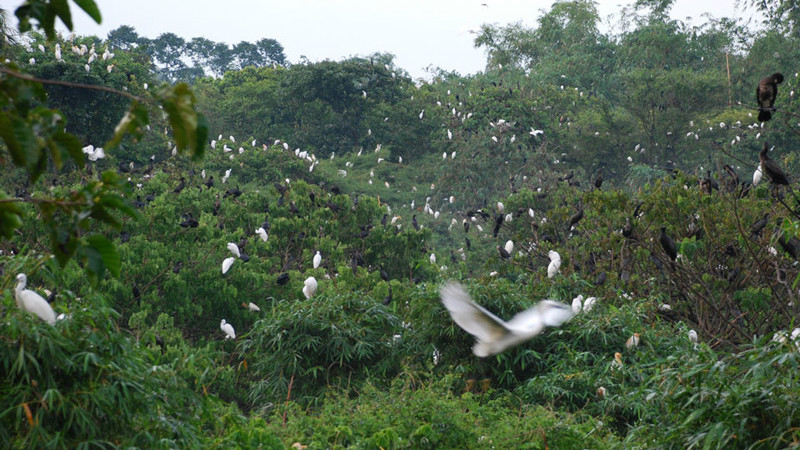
108, 253
60, 8
134, 121
90, 8
190, 128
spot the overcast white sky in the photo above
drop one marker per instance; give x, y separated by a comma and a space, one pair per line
419, 33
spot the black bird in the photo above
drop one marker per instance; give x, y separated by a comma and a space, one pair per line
210, 182
756, 228
52, 297
601, 279
180, 186
575, 218
335, 190
414, 222
177, 267
189, 221
766, 92
136, 292
771, 168
235, 192
383, 220
333, 207
124, 236
567, 177
384, 275
293, 208
503, 253
266, 225
498, 222
280, 201
712, 182
466, 226
668, 244
469, 244
598, 181
149, 198
313, 197
281, 188
138, 202
282, 279
244, 257
732, 180
627, 229
388, 298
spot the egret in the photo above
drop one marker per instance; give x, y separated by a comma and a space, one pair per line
555, 263
693, 337
227, 328
617, 362
421, 114
253, 307
589, 304
317, 260
310, 287
449, 134
493, 335
601, 392
58, 52
632, 341
509, 246
577, 304
262, 233
757, 175
227, 263
30, 301
433, 258
234, 249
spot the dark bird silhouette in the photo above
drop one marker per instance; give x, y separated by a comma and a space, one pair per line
414, 222
575, 218
235, 192
180, 186
124, 237
210, 182
503, 253
388, 298
732, 180
668, 244
712, 181
766, 92
189, 221
469, 244
281, 188
384, 275
567, 177
498, 222
627, 229
601, 279
177, 267
771, 169
466, 226
282, 279
384, 219
756, 228
599, 180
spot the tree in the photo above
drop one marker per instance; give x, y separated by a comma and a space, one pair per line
124, 38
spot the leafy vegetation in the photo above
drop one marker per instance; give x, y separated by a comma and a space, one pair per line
571, 140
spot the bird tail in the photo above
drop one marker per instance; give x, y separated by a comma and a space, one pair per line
764, 116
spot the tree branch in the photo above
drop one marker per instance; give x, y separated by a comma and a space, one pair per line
27, 77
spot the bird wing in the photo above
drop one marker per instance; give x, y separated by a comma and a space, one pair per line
545, 313
470, 316
234, 249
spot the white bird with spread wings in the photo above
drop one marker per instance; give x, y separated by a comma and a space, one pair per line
493, 335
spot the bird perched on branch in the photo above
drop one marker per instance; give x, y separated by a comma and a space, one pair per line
493, 335
771, 169
668, 244
766, 92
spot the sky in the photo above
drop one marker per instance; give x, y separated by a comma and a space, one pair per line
420, 33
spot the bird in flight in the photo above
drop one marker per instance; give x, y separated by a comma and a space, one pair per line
493, 335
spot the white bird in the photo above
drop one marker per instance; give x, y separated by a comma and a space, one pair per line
30, 301
262, 233
577, 304
693, 337
233, 139
58, 52
317, 260
93, 154
500, 206
234, 249
227, 328
555, 263
452, 199
589, 304
422, 113
253, 307
535, 133
632, 341
509, 246
310, 287
227, 263
757, 176
492, 334
449, 134
433, 258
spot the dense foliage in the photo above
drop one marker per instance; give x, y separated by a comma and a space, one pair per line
572, 140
